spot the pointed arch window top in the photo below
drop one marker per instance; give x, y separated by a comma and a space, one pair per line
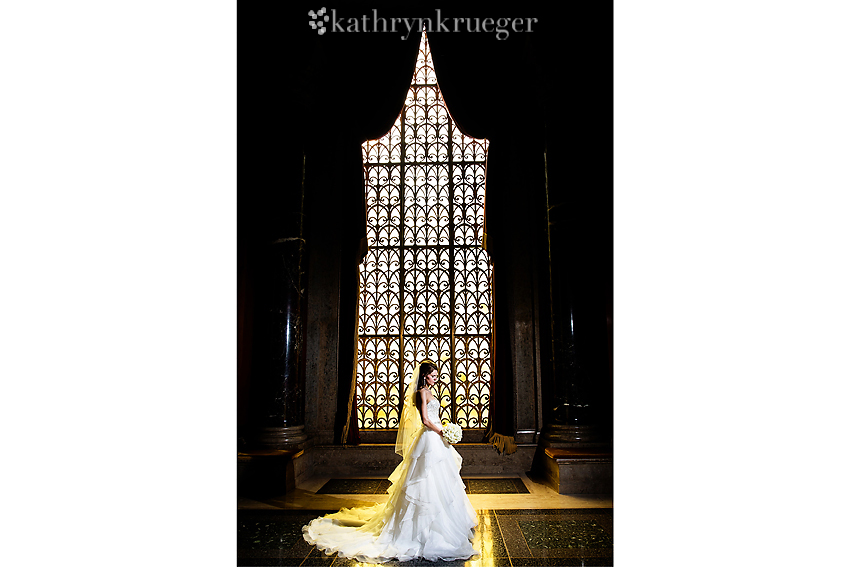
425, 284
424, 132
424, 71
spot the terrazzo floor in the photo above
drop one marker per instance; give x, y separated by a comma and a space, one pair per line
521, 522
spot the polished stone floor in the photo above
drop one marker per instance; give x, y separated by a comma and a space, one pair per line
522, 522
380, 486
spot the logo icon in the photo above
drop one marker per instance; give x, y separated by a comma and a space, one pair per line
322, 17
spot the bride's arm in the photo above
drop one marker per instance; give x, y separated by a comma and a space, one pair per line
423, 412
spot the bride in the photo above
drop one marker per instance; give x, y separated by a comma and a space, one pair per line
428, 514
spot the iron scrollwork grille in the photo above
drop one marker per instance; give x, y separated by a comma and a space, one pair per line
425, 284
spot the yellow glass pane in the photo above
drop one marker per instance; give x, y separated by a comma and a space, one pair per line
425, 191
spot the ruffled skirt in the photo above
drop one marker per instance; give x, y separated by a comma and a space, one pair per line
428, 514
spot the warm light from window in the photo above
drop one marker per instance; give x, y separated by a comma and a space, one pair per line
425, 284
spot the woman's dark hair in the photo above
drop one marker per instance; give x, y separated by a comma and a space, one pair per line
425, 369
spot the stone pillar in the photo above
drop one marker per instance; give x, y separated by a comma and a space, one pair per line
282, 403
572, 415
283, 422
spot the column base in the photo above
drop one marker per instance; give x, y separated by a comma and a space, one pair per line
281, 437
265, 472
576, 459
555, 434
579, 471
525, 436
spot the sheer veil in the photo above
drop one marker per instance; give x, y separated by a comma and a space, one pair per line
410, 421
427, 513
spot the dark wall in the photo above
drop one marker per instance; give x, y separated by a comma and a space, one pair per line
302, 110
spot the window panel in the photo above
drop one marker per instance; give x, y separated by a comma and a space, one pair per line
425, 282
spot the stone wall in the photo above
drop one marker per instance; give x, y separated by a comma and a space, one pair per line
380, 460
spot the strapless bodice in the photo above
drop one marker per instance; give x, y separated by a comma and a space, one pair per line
433, 408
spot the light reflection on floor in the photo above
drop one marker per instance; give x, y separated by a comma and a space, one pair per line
540, 495
550, 529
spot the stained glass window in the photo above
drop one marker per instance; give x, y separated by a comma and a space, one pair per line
425, 284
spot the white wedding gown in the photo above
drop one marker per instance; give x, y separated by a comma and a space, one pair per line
428, 514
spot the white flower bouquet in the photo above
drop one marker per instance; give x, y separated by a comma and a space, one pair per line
452, 433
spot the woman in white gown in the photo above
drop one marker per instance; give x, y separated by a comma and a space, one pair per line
428, 514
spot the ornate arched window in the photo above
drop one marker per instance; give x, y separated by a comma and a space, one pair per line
425, 284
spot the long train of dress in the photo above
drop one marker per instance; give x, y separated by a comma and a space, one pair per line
428, 514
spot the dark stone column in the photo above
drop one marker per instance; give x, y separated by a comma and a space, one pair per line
577, 412
281, 404
283, 420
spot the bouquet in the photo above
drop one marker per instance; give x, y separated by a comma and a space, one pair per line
452, 433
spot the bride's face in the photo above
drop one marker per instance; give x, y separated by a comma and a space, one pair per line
431, 379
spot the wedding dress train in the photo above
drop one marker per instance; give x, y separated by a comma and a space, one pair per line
428, 514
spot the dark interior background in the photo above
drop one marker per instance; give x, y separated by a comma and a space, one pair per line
306, 102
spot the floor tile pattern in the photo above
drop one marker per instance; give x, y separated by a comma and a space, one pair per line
380, 486
495, 486
355, 486
509, 538
532, 492
568, 534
